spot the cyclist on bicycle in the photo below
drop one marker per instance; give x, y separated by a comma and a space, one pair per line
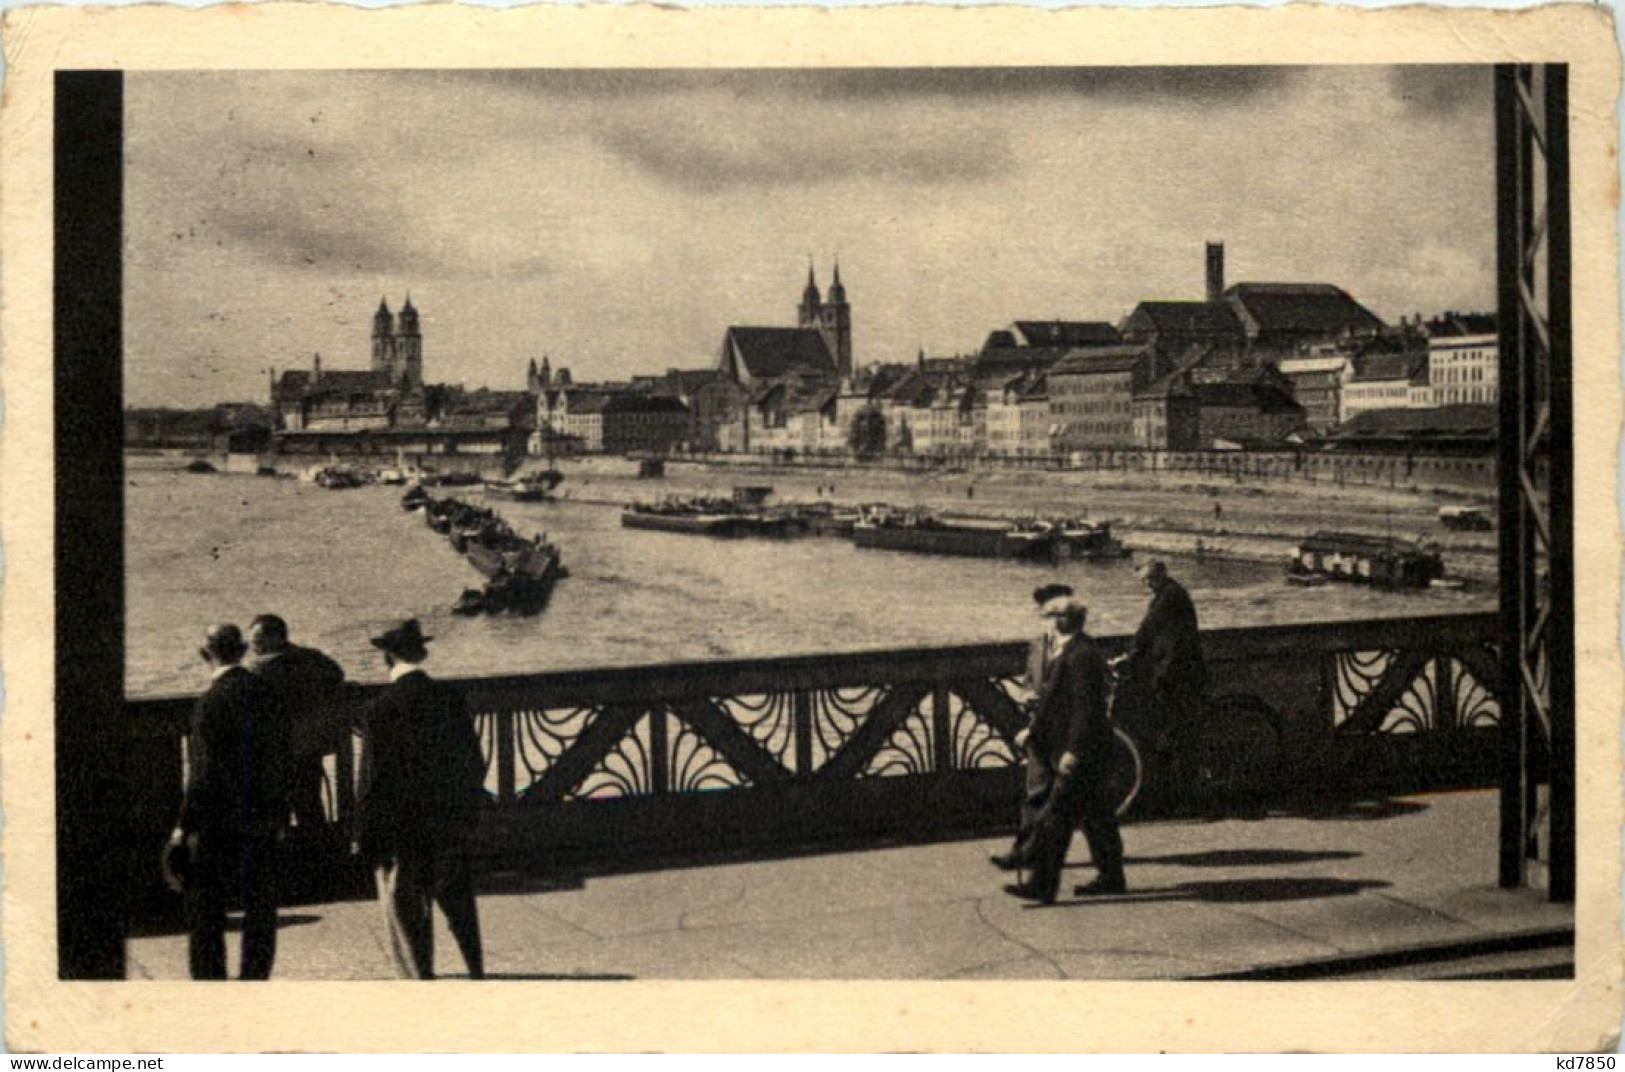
1163, 679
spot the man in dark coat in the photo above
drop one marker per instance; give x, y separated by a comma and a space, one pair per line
1037, 773
1164, 677
232, 814
1072, 732
421, 788
307, 683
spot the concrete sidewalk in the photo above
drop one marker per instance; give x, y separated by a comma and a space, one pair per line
1284, 893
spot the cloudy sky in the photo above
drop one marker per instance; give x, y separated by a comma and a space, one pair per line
618, 221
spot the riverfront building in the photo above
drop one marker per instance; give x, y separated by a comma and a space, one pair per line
1464, 359
388, 408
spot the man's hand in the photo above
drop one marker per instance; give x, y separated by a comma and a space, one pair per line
1117, 660
1068, 764
1022, 737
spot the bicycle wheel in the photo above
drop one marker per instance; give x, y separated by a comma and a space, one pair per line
1234, 754
1125, 772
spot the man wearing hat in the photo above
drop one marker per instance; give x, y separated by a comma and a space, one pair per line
224, 843
1038, 773
421, 787
1071, 732
307, 682
1163, 677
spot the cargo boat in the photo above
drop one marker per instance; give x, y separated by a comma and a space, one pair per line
1359, 559
743, 515
927, 534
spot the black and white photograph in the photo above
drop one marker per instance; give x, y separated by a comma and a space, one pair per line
846, 522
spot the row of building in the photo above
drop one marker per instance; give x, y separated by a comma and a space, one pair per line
1251, 365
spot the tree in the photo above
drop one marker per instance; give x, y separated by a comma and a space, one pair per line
867, 436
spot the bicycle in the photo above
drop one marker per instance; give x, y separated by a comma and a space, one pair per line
1229, 752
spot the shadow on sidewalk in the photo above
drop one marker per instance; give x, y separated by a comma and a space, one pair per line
1236, 891
1240, 858
558, 977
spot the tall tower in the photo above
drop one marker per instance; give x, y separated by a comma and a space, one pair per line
409, 346
835, 324
383, 340
808, 310
1215, 271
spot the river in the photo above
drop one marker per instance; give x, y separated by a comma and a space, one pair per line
340, 565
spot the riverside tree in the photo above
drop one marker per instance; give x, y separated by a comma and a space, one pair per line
867, 436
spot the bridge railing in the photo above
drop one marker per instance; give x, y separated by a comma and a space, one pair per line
769, 754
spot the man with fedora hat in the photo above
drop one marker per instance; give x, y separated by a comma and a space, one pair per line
421, 787
224, 844
1071, 733
1037, 771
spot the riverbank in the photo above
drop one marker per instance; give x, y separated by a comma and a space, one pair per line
1229, 518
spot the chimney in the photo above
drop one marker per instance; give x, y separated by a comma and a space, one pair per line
316, 373
1215, 271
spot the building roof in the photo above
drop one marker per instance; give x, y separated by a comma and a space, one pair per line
635, 403
994, 361
1458, 325
1066, 333
1301, 366
1466, 420
770, 352
297, 383
484, 401
683, 382
588, 403
1302, 308
1208, 318
1265, 397
1106, 359
1381, 367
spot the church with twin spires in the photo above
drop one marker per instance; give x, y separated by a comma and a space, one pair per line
818, 347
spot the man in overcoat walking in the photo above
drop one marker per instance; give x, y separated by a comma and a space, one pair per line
225, 841
1036, 773
1072, 733
421, 787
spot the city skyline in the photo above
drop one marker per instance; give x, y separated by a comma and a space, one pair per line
623, 220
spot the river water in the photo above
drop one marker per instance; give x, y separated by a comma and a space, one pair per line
340, 565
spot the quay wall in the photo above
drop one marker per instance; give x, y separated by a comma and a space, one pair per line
1470, 474
615, 768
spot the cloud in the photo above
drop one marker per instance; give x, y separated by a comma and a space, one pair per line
766, 151
1194, 84
1443, 89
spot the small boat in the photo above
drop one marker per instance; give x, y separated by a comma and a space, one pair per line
519, 579
338, 478
198, 465
459, 480
1091, 542
415, 498
532, 487
651, 468
1465, 518
1359, 559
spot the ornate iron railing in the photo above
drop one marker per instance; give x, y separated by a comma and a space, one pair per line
608, 764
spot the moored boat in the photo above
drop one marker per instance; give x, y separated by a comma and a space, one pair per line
1092, 541
1360, 559
532, 487
925, 533
691, 518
